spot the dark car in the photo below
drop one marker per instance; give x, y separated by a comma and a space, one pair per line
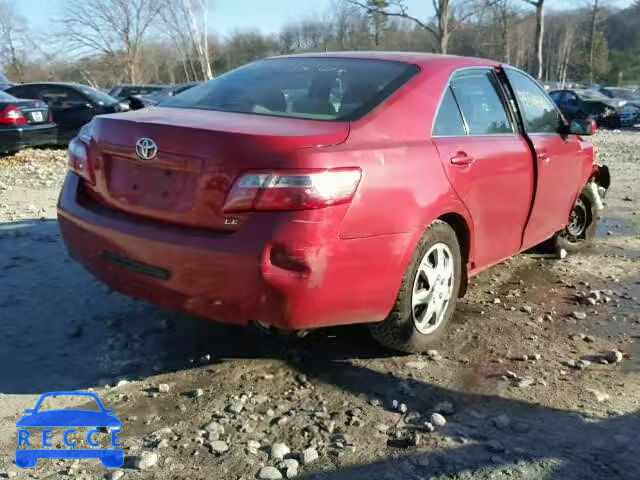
24, 123
589, 104
4, 82
71, 104
127, 91
157, 97
248, 200
629, 113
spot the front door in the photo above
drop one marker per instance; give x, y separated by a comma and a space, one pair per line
487, 161
559, 159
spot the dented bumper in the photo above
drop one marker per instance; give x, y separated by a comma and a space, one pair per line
286, 269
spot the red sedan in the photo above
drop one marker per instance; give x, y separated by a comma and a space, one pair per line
307, 191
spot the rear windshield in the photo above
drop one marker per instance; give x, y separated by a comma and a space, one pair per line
6, 96
338, 89
97, 96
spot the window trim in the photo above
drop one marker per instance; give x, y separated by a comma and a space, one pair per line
544, 92
499, 91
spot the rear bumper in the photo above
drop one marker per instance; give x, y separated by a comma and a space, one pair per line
12, 139
287, 269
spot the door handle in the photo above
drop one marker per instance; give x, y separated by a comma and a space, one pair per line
461, 158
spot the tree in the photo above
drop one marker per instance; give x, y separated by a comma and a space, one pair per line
11, 46
114, 28
444, 25
539, 6
186, 23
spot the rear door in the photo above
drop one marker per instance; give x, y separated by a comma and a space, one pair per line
559, 159
487, 161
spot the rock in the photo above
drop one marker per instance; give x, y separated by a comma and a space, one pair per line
438, 420
218, 446
428, 427
402, 408
496, 301
582, 364
598, 395
579, 315
525, 382
163, 388
309, 455
164, 443
434, 355
445, 408
382, 428
269, 473
562, 254
527, 309
290, 467
235, 407
588, 339
114, 475
502, 421
279, 451
198, 392
145, 460
214, 429
122, 382
417, 365
613, 356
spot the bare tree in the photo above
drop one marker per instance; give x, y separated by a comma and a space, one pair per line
444, 24
11, 33
115, 28
186, 23
595, 10
539, 6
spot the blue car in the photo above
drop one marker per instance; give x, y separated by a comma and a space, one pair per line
68, 418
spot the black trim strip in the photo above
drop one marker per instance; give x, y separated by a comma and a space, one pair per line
139, 267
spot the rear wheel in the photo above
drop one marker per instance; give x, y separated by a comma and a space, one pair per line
428, 293
583, 221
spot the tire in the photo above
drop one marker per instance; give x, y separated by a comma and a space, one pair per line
403, 330
576, 236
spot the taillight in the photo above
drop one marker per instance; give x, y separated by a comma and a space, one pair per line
79, 160
12, 115
292, 189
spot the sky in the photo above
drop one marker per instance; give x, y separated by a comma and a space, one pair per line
267, 16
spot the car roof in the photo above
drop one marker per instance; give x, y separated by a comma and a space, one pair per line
57, 84
418, 58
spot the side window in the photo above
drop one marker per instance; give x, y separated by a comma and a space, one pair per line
24, 92
449, 120
63, 97
555, 96
539, 112
482, 106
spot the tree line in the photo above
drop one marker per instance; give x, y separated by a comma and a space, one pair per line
108, 42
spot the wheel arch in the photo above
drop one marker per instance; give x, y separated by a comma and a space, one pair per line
461, 228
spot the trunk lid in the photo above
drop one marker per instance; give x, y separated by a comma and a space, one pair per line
199, 155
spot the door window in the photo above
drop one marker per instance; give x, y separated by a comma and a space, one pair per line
449, 120
482, 105
60, 97
539, 113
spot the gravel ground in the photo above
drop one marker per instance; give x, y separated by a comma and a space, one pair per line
538, 378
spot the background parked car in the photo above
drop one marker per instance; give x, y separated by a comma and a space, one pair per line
160, 95
24, 123
4, 82
72, 105
583, 104
629, 113
127, 90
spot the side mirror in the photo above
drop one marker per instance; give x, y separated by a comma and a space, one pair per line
583, 127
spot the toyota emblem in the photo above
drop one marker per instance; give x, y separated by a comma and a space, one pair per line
146, 149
